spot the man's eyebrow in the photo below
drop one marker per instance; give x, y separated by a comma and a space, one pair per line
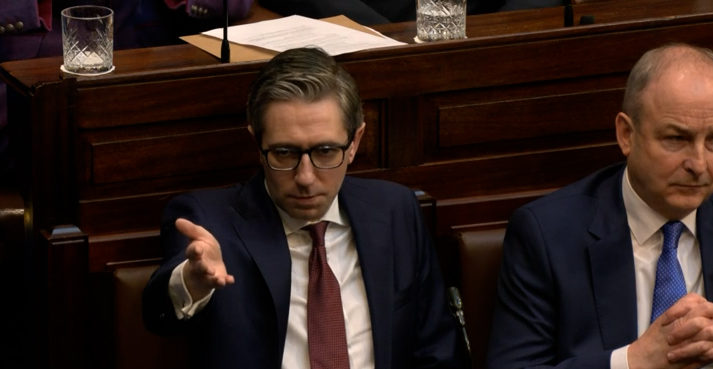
679, 128
296, 147
283, 145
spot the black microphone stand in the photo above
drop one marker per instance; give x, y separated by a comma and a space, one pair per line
225, 46
456, 305
568, 14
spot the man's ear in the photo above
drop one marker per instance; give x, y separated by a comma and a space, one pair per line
355, 142
257, 144
624, 132
252, 133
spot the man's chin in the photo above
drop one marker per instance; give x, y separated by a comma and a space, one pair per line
683, 205
309, 214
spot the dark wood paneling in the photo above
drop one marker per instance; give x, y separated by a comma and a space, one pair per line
183, 98
109, 215
521, 119
128, 247
151, 157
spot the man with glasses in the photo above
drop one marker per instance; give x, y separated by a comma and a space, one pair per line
245, 272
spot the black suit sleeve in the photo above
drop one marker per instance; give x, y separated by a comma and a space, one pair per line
158, 312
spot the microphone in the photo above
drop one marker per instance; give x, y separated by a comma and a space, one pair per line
225, 46
568, 14
456, 304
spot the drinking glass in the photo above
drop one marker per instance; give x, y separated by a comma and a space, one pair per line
440, 20
88, 40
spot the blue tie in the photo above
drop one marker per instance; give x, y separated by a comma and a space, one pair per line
670, 285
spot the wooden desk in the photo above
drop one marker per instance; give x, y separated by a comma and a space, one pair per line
483, 125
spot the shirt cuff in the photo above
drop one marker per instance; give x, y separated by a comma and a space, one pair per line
619, 358
183, 304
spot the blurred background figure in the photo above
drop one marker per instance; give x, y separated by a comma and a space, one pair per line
32, 29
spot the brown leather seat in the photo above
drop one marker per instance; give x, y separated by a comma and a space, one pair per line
480, 251
135, 347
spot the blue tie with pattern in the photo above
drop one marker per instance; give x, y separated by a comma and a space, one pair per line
670, 285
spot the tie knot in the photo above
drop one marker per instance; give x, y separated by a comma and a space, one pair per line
671, 234
316, 231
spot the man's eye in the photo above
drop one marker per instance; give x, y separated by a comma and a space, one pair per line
325, 150
283, 152
675, 142
709, 143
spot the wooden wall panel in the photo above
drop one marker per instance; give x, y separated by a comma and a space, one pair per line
528, 118
192, 153
183, 98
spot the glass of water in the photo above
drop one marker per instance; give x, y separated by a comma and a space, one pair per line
440, 20
88, 40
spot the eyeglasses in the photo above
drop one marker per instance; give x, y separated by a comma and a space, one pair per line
289, 158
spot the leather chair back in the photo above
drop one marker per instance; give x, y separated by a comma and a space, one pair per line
480, 252
136, 347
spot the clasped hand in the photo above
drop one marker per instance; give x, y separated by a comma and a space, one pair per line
681, 338
205, 269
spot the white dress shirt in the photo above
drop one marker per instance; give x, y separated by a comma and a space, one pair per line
342, 258
647, 241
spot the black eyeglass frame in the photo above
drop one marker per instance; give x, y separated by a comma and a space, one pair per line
307, 151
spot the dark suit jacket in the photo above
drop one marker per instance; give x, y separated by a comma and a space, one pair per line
244, 324
567, 294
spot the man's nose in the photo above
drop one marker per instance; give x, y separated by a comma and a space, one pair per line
304, 173
696, 161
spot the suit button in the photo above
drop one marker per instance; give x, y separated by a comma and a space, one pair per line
2, 30
10, 27
19, 25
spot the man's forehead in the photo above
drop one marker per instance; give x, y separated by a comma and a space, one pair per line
304, 122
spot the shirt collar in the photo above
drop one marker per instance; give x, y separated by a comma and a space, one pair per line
644, 221
292, 225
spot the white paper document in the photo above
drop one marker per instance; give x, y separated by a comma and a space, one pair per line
298, 31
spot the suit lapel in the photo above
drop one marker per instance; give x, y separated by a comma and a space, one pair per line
370, 230
612, 267
261, 231
704, 226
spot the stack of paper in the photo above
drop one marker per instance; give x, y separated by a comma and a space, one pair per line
336, 35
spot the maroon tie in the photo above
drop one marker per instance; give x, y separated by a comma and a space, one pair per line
325, 321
